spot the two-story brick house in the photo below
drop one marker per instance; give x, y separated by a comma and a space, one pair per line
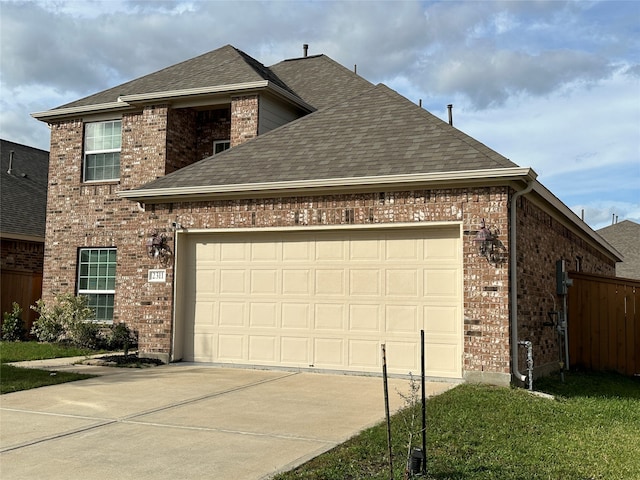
309, 217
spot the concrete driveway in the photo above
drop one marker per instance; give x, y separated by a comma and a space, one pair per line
185, 421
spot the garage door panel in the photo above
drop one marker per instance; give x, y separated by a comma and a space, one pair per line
203, 342
264, 282
402, 319
295, 351
364, 354
442, 360
296, 282
234, 252
231, 348
365, 318
440, 248
328, 352
205, 313
442, 320
330, 316
331, 249
262, 348
233, 281
365, 250
364, 282
402, 356
297, 251
263, 315
441, 283
296, 316
205, 281
402, 282
330, 282
232, 314
264, 251
403, 249
324, 299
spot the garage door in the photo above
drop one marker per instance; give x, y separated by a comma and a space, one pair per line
323, 299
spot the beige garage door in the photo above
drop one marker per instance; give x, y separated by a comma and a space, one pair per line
324, 299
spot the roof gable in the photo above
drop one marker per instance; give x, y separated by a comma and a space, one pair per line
24, 190
377, 133
224, 66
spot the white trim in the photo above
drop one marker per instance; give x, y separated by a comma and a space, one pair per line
187, 92
70, 111
516, 173
573, 220
128, 102
220, 142
307, 228
21, 238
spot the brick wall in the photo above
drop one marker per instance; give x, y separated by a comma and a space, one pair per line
212, 125
21, 256
91, 215
486, 317
244, 118
542, 241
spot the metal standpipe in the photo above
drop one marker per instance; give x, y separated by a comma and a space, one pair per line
529, 347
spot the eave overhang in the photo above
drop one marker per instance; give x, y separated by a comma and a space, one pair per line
569, 219
131, 102
21, 237
330, 185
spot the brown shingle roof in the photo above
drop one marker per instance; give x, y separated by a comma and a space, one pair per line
224, 66
319, 80
24, 190
377, 133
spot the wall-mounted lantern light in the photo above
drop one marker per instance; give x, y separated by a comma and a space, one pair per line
487, 244
158, 246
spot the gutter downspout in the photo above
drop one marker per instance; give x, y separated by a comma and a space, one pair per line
513, 265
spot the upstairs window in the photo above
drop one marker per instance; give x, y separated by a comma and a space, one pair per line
97, 280
220, 146
102, 142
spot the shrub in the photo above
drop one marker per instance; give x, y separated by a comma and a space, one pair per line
122, 338
69, 319
12, 325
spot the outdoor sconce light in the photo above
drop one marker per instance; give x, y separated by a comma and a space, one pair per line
487, 244
158, 246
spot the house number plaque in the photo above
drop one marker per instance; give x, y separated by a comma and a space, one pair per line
157, 276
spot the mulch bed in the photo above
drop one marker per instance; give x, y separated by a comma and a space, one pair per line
124, 361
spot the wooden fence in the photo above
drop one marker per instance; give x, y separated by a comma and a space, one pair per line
604, 323
21, 287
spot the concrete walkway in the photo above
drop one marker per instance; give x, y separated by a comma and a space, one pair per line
184, 421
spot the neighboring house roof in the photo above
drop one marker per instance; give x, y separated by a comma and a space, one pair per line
224, 66
23, 191
319, 80
376, 134
625, 237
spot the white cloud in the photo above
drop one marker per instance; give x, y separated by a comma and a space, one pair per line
551, 85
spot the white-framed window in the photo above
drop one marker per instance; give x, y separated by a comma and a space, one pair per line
102, 143
97, 280
220, 146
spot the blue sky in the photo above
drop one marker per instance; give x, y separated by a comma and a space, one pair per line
551, 85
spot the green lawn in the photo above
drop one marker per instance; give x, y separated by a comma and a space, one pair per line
13, 379
590, 431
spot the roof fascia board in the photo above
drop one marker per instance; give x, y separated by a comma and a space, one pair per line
128, 102
189, 92
499, 175
60, 113
21, 237
570, 220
